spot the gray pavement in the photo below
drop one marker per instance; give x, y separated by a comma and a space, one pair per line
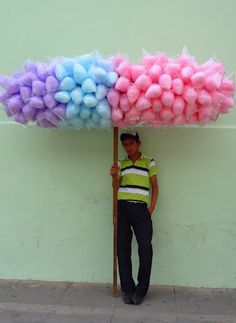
68, 302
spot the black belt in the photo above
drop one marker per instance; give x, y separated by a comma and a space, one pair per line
133, 201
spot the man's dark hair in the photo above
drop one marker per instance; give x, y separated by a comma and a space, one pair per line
129, 135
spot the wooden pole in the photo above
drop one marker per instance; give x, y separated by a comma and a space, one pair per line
115, 213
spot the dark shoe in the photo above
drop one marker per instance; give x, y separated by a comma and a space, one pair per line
127, 298
137, 299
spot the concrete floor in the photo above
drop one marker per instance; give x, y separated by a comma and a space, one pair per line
66, 302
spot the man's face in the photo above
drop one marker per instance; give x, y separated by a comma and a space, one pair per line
131, 146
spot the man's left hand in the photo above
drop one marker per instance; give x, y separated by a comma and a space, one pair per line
150, 209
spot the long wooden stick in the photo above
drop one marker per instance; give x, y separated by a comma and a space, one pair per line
115, 213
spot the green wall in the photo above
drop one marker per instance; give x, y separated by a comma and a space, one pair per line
55, 190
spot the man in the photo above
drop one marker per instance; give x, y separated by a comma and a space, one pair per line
135, 174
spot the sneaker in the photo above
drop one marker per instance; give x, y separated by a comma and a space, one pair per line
127, 298
137, 299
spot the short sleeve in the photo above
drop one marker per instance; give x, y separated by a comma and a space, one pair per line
119, 164
152, 168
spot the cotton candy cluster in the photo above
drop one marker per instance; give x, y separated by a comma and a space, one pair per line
169, 91
84, 82
93, 92
69, 92
29, 95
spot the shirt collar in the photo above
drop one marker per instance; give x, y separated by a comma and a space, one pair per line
141, 157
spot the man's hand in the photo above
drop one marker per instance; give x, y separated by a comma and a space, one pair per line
150, 209
114, 170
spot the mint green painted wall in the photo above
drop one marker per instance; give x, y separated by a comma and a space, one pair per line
55, 191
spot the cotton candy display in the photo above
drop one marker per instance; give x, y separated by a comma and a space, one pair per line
83, 86
69, 92
93, 92
29, 95
169, 91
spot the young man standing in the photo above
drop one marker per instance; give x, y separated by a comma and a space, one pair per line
136, 173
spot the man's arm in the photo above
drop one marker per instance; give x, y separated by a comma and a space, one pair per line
154, 184
118, 181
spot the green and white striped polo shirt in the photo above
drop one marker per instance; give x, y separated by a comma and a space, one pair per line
135, 182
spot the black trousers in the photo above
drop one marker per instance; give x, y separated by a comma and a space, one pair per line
137, 217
